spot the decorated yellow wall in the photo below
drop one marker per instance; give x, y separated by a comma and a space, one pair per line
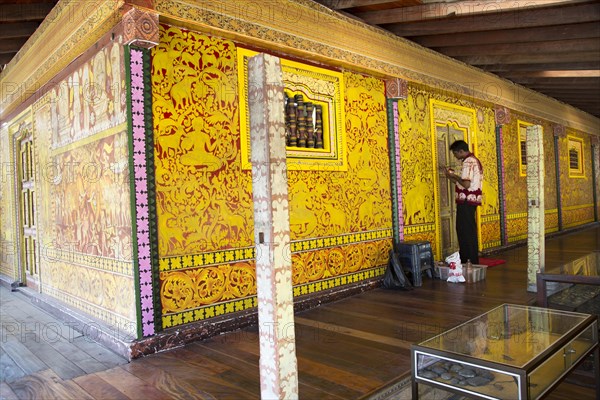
416, 153
340, 221
515, 184
577, 191
83, 218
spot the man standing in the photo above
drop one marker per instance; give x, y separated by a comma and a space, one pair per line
468, 196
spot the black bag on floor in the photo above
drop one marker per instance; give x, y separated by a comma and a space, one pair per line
394, 277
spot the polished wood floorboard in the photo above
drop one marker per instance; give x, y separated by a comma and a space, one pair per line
345, 350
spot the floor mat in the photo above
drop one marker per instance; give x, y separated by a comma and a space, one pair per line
490, 262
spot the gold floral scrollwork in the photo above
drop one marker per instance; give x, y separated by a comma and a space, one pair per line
177, 292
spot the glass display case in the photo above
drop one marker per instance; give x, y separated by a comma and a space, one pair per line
574, 286
510, 352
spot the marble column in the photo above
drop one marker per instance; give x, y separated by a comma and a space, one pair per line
535, 205
278, 365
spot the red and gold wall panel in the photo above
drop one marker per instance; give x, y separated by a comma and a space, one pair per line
418, 187
340, 220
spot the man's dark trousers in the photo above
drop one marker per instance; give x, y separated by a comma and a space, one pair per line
466, 230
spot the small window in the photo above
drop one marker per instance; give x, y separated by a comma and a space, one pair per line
523, 147
575, 157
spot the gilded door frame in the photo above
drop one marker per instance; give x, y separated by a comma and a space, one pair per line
22, 125
442, 113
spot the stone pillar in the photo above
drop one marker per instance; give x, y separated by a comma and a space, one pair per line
278, 366
535, 205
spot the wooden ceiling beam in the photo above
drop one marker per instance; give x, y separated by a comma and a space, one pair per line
442, 9
24, 12
525, 18
553, 66
5, 58
11, 46
524, 58
345, 4
551, 46
520, 35
16, 30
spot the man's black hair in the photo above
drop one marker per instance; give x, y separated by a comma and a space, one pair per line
459, 145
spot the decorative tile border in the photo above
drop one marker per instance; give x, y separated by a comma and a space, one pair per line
333, 282
202, 313
207, 312
490, 218
142, 187
350, 238
55, 254
517, 238
516, 216
489, 245
412, 229
249, 253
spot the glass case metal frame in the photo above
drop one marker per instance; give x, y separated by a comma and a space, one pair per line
563, 348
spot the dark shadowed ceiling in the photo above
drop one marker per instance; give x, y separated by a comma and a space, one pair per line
18, 21
550, 46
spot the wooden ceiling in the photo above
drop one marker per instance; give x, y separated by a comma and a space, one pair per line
550, 46
18, 21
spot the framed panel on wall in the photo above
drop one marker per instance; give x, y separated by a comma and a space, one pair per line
522, 134
575, 157
314, 115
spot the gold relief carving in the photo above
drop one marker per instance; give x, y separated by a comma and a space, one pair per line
184, 290
192, 288
550, 197
204, 199
417, 180
578, 215
515, 184
487, 153
490, 233
327, 203
317, 265
140, 28
516, 228
551, 221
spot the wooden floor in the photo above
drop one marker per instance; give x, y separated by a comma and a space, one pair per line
345, 350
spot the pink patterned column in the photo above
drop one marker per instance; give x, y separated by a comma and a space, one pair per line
278, 365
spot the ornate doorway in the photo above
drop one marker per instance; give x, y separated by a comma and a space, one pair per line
27, 228
446, 135
449, 123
